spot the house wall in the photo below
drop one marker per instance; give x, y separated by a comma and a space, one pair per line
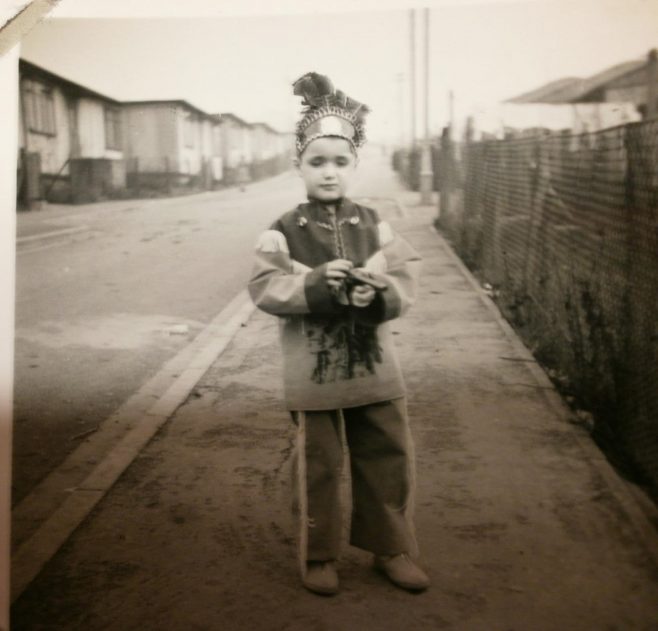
631, 94
54, 149
217, 159
236, 143
206, 139
229, 142
150, 136
91, 130
247, 145
190, 154
261, 141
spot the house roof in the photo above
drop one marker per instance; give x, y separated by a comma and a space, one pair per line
179, 102
233, 117
573, 89
29, 68
266, 127
545, 91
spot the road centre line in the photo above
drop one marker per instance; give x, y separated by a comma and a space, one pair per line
53, 233
188, 366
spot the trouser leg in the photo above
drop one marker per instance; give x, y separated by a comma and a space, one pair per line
319, 460
382, 467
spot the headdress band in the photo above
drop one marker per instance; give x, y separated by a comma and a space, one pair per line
327, 112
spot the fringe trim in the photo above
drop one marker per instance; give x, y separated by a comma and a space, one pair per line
410, 506
302, 491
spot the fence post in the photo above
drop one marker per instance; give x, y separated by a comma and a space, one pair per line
540, 182
652, 84
446, 172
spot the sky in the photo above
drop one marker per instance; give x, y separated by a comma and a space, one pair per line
484, 52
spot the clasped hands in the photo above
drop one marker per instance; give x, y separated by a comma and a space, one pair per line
359, 295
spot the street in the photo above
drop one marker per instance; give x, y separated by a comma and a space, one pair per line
100, 310
522, 524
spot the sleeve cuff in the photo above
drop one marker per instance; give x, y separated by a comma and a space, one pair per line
385, 306
319, 296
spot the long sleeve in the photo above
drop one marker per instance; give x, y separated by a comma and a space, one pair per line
282, 286
398, 265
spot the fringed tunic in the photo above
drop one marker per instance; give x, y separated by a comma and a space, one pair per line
335, 355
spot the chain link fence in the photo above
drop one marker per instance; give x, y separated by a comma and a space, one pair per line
564, 228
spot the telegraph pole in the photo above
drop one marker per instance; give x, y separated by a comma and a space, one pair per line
400, 80
412, 72
426, 172
451, 109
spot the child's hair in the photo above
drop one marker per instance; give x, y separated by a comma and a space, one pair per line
327, 112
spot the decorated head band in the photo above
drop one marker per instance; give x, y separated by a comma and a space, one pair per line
327, 112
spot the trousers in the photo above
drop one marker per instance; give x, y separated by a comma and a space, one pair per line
382, 477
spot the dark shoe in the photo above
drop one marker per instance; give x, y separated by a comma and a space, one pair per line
321, 577
403, 572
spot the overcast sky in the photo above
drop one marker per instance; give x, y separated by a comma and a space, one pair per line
484, 51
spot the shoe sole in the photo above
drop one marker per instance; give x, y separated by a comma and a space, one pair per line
321, 591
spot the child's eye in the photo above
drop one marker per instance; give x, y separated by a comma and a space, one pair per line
316, 162
342, 162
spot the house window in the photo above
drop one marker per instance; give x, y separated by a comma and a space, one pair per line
39, 108
188, 130
112, 128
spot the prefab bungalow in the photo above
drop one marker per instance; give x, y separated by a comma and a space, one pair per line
634, 82
263, 141
266, 150
237, 145
170, 145
70, 140
285, 148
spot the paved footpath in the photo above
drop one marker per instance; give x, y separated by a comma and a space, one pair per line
522, 525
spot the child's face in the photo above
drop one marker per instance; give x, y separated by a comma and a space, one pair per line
327, 167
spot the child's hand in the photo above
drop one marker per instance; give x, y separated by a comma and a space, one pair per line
337, 271
361, 295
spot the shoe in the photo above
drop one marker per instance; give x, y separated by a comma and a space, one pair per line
321, 577
403, 572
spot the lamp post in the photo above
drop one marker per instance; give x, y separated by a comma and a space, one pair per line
426, 172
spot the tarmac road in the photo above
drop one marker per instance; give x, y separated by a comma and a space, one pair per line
116, 290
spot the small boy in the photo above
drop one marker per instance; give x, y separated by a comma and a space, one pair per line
335, 275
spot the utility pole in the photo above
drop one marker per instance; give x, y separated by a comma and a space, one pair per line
400, 80
412, 72
451, 109
426, 172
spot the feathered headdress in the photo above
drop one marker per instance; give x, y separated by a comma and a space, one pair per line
327, 112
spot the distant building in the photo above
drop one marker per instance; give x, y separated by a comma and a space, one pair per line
237, 144
272, 150
171, 144
628, 82
264, 141
70, 139
77, 145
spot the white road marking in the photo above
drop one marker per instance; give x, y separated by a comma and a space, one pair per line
54, 233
